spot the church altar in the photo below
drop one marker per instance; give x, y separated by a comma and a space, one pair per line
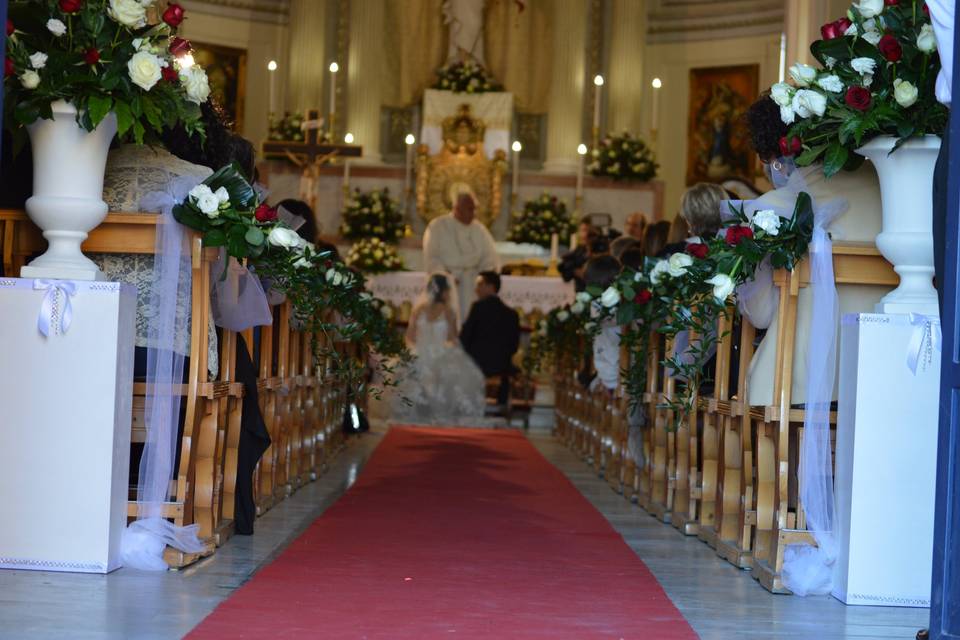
526, 294
495, 109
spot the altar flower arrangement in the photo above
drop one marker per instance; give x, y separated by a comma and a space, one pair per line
103, 56
623, 157
465, 77
373, 215
287, 128
540, 219
879, 68
373, 255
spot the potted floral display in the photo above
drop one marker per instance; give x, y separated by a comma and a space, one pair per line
77, 73
465, 77
373, 215
539, 220
623, 157
373, 255
873, 96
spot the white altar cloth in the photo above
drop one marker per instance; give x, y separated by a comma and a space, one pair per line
523, 293
67, 403
886, 461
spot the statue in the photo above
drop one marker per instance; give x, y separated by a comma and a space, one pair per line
465, 18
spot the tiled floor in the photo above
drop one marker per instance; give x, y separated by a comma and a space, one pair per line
720, 601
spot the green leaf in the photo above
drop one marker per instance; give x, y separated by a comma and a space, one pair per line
214, 238
254, 236
834, 159
124, 117
811, 155
98, 107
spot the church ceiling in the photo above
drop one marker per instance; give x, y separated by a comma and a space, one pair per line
684, 20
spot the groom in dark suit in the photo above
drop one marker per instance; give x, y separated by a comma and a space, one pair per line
491, 334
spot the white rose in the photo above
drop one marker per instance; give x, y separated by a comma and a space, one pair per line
577, 307
873, 37
863, 66
583, 296
638, 276
222, 195
904, 93
927, 41
302, 263
144, 70
808, 103
767, 221
787, 115
199, 190
38, 60
283, 237
851, 30
722, 286
129, 13
782, 94
870, 8
661, 267
610, 297
56, 27
563, 316
830, 83
678, 263
209, 205
196, 84
802, 74
30, 79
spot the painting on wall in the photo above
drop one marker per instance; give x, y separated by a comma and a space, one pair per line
718, 145
227, 70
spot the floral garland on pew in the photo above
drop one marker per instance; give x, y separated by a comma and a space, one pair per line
225, 209
688, 292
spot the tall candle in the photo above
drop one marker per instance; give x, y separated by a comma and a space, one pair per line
554, 247
655, 116
346, 174
334, 67
597, 90
581, 152
515, 178
407, 172
271, 69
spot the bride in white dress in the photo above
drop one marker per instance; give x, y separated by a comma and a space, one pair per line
442, 386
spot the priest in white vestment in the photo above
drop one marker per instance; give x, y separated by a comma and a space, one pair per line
461, 246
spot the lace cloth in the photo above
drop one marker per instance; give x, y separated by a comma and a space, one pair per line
132, 172
442, 385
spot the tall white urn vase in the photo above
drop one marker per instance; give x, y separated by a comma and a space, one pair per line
67, 201
906, 239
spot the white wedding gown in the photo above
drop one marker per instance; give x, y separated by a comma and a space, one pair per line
442, 386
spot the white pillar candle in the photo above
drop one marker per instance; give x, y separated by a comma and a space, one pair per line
334, 67
554, 247
272, 69
655, 115
597, 91
515, 177
581, 152
408, 169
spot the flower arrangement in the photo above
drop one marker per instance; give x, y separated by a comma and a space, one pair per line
540, 219
287, 128
465, 77
102, 56
688, 291
373, 255
623, 157
879, 67
226, 211
373, 215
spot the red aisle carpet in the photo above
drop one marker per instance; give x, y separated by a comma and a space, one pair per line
454, 534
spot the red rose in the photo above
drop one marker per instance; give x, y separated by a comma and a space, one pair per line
790, 147
842, 24
892, 3
643, 296
179, 47
829, 31
858, 98
926, 10
173, 16
70, 6
890, 48
169, 74
265, 213
8, 68
697, 249
10, 27
92, 56
734, 235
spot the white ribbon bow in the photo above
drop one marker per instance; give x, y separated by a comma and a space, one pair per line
924, 328
48, 317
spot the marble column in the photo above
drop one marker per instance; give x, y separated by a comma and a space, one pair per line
364, 67
308, 78
564, 119
625, 86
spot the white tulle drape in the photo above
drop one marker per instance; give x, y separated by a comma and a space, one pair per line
807, 569
237, 298
145, 539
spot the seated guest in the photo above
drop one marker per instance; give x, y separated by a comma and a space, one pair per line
655, 238
572, 262
635, 226
621, 245
632, 258
601, 272
699, 217
491, 333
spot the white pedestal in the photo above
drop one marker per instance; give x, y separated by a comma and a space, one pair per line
886, 459
65, 427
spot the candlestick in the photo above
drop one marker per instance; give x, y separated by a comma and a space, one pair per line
554, 254
346, 173
272, 68
407, 172
597, 90
515, 178
334, 67
581, 152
